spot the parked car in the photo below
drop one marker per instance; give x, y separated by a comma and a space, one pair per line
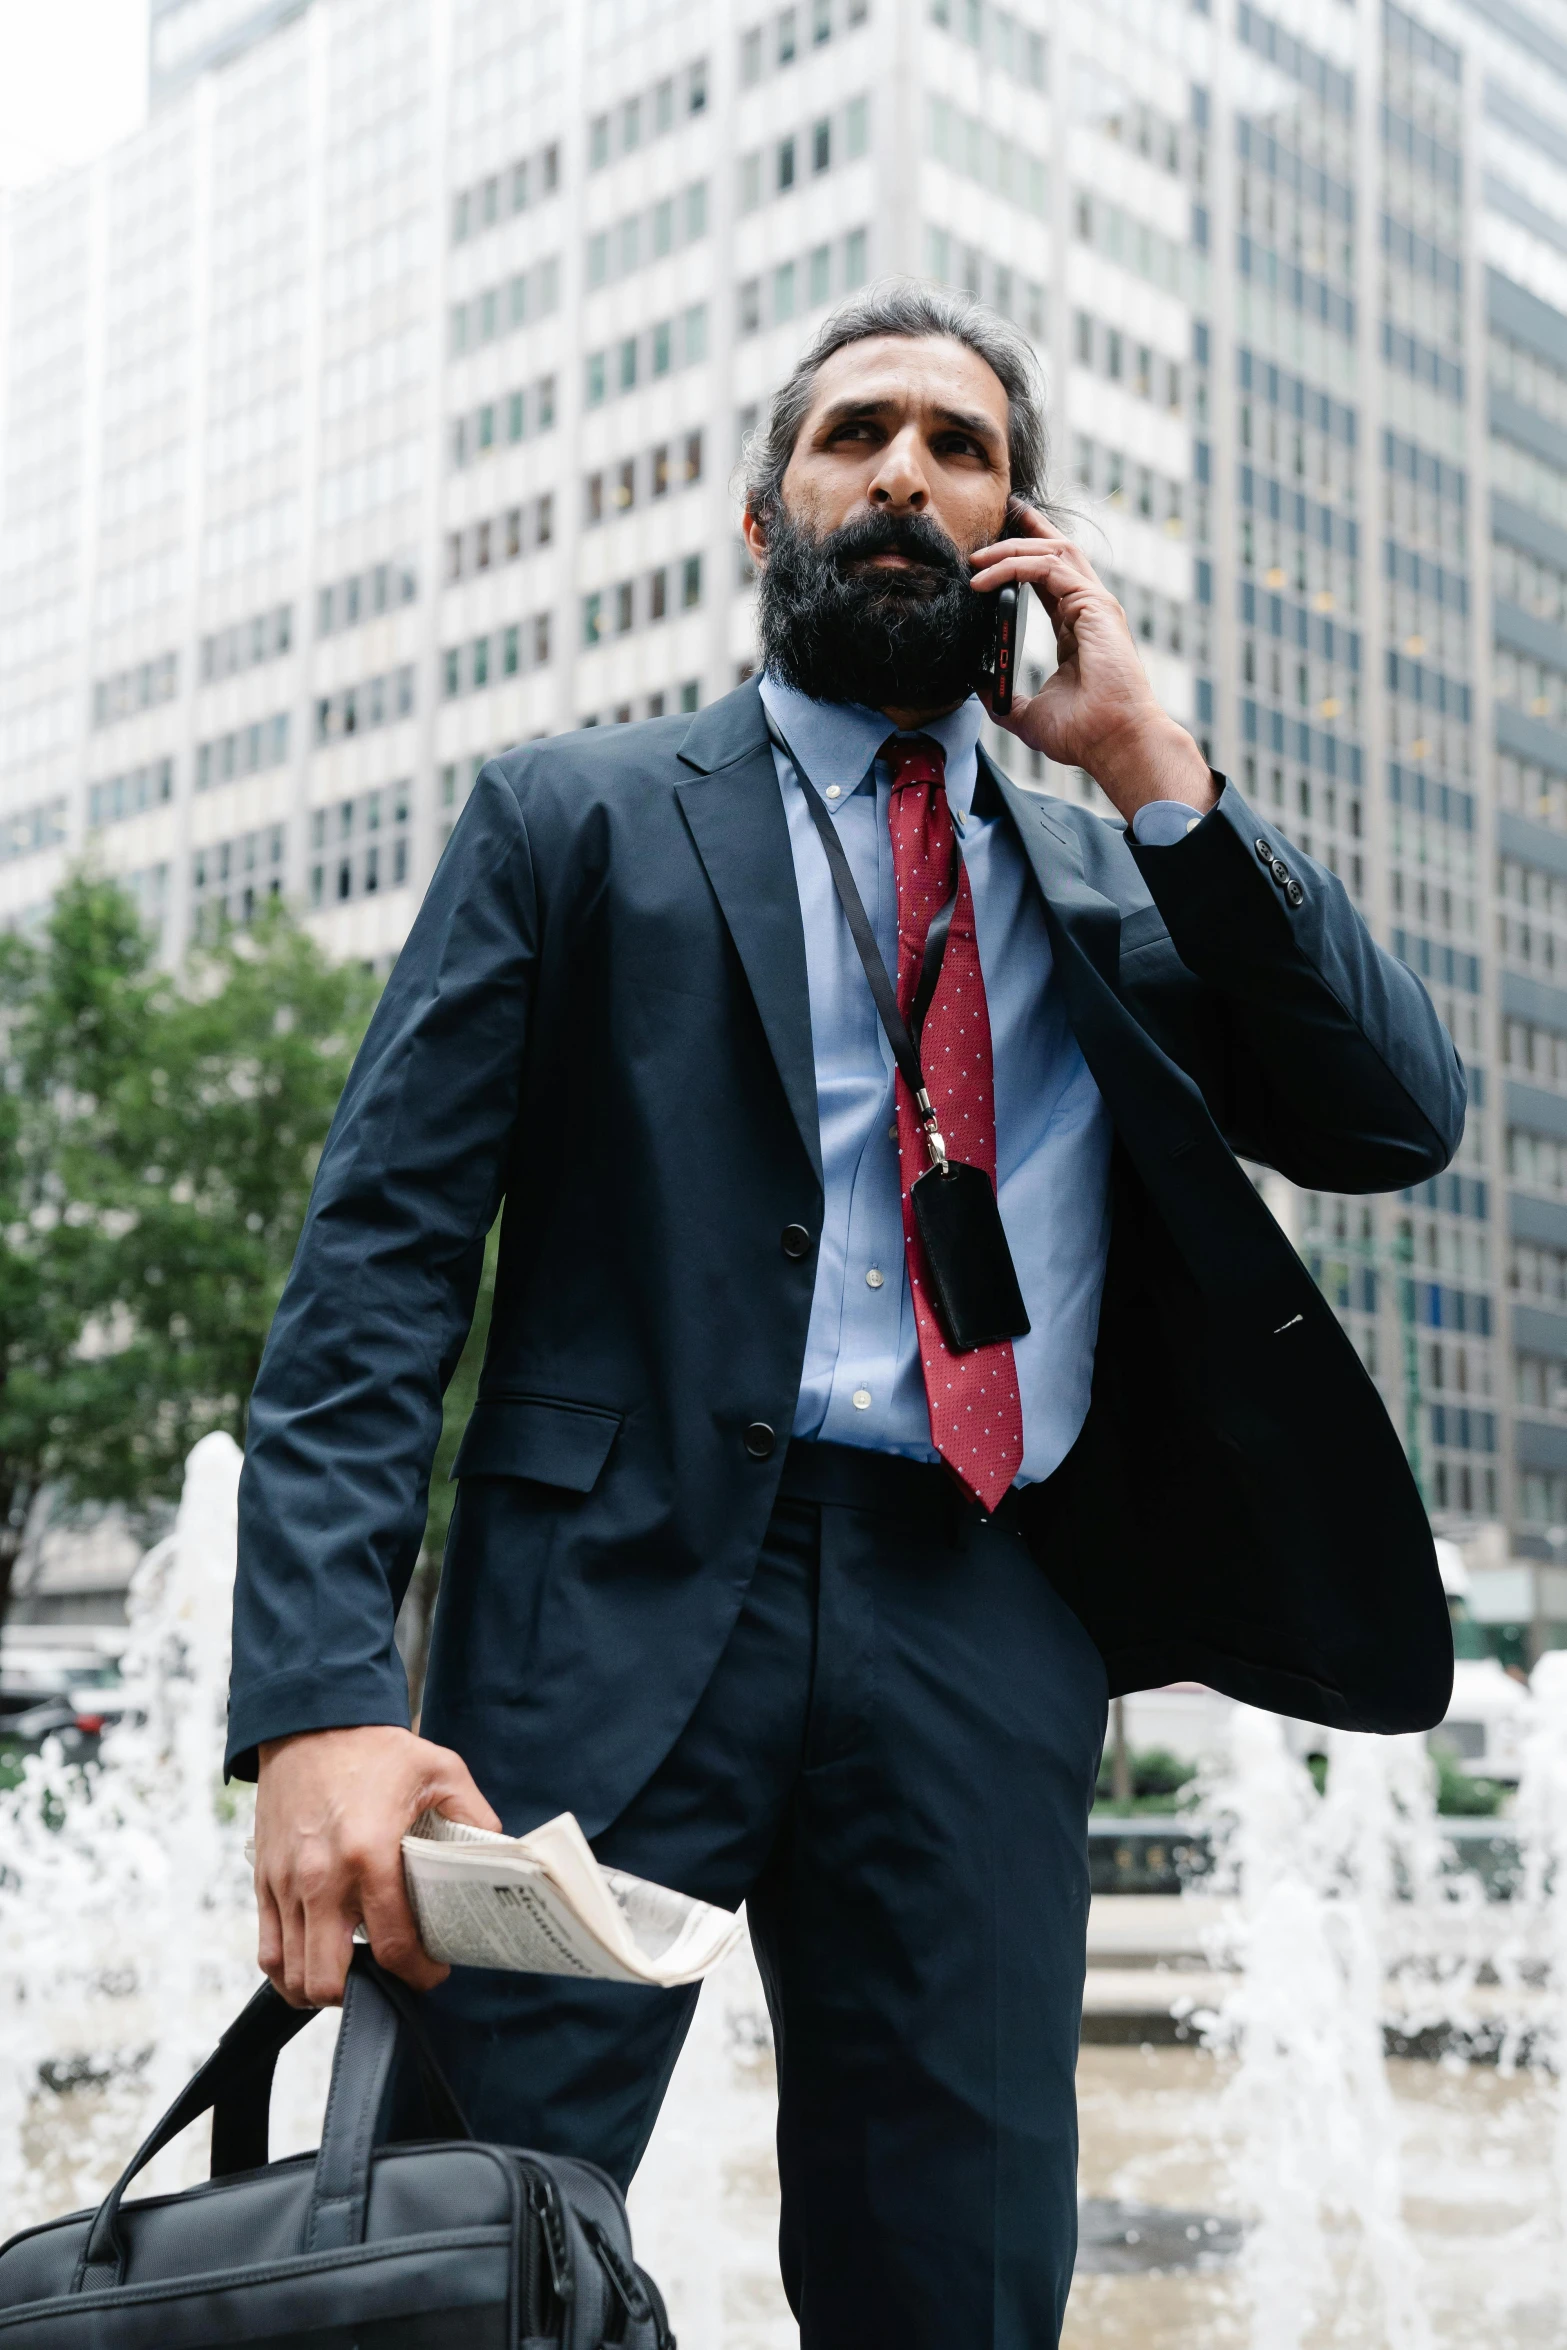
69, 1694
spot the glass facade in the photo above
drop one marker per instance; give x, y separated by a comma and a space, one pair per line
374, 408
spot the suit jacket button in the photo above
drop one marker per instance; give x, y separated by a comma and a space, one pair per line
1295, 894
1264, 852
1281, 872
760, 1442
796, 1241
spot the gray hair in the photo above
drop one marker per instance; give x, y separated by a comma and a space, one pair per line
903, 306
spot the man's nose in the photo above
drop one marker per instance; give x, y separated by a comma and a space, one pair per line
900, 477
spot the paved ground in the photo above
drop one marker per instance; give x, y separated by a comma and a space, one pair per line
1476, 2150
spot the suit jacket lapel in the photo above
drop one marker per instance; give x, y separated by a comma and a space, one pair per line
736, 818
1150, 1098
1090, 922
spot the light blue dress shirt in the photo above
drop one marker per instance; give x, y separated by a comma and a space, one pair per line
863, 1383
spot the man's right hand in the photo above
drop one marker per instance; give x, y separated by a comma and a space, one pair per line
332, 1808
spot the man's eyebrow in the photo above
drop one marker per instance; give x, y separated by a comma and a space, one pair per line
964, 419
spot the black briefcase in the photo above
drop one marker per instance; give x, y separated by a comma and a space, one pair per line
438, 2244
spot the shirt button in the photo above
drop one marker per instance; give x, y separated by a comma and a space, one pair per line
862, 1399
796, 1241
874, 1278
835, 791
892, 1131
760, 1441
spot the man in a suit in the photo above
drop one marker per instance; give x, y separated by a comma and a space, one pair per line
795, 1594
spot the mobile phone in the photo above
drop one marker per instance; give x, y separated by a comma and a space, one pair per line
998, 669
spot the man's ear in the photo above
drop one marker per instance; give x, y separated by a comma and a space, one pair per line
754, 532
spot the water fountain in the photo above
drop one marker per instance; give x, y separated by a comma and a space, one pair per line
127, 1935
1532, 1961
1308, 2105
127, 1941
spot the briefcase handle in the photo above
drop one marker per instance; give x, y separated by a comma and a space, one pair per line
235, 2084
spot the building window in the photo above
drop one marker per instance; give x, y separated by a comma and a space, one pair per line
120, 796
365, 595
666, 345
26, 830
502, 539
359, 709
359, 847
231, 880
615, 610
670, 223
140, 688
248, 750
263, 637
648, 113
517, 418
528, 295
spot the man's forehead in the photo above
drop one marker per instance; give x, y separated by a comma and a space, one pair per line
908, 371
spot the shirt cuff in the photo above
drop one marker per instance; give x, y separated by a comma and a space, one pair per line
1159, 824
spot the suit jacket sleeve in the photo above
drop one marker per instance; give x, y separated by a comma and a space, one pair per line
1334, 1067
346, 1411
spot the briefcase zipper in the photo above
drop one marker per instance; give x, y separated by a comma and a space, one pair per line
544, 2203
627, 2285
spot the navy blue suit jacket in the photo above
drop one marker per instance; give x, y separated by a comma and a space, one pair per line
600, 1019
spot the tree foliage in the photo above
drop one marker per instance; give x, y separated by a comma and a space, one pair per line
158, 1137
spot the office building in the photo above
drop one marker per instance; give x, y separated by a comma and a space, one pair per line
376, 406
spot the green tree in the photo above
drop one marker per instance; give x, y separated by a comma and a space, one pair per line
157, 1144
71, 1007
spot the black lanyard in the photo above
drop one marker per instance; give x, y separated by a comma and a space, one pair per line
903, 1035
973, 1282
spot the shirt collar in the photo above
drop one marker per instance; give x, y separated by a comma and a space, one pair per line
838, 741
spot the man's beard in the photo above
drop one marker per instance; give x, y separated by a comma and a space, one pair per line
843, 632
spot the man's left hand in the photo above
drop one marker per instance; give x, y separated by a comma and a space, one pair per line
1098, 711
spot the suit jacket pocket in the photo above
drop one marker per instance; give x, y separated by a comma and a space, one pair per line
537, 1436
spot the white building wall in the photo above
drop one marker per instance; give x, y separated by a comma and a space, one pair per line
232, 382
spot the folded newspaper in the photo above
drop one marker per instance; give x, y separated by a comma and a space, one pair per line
541, 1904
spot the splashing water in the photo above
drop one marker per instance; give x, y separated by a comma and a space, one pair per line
1309, 2107
1532, 1962
127, 1933
127, 1943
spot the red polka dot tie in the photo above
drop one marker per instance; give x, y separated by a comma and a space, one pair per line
976, 1413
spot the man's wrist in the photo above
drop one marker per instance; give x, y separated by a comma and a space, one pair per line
1152, 758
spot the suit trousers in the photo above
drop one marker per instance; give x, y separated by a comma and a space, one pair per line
891, 1766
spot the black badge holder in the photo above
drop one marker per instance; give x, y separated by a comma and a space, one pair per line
973, 1281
